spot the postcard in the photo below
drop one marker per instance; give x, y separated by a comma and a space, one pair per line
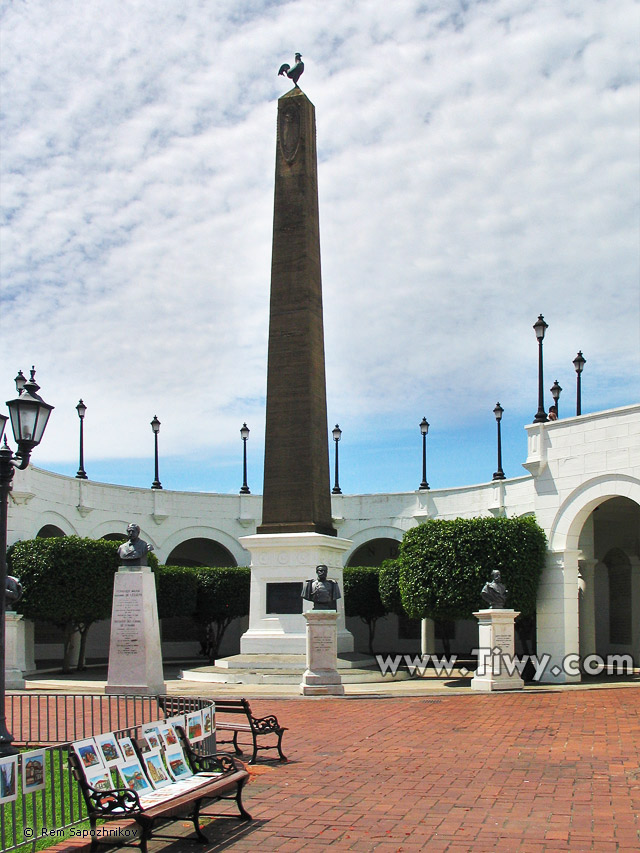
194, 726
100, 779
133, 776
156, 771
8, 778
177, 763
87, 752
109, 749
127, 748
34, 775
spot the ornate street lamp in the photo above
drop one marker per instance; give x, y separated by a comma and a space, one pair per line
155, 426
555, 393
82, 410
424, 429
579, 362
540, 327
337, 434
499, 474
244, 434
29, 415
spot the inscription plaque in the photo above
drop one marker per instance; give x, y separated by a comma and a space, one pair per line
284, 598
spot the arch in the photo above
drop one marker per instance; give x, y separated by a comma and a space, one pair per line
237, 552
56, 522
50, 531
367, 537
200, 551
564, 533
116, 530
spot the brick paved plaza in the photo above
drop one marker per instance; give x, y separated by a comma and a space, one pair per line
531, 771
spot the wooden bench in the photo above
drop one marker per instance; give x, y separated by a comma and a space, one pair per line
216, 777
257, 727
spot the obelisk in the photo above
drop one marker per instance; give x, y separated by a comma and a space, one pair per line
296, 495
297, 532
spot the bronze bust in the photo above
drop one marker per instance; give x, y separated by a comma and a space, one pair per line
494, 592
134, 551
323, 592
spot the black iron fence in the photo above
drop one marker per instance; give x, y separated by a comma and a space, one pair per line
50, 722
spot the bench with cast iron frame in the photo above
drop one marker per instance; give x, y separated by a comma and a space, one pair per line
257, 727
128, 808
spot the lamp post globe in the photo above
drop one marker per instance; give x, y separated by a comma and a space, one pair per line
579, 362
555, 393
244, 435
424, 430
336, 432
82, 410
29, 416
540, 327
155, 426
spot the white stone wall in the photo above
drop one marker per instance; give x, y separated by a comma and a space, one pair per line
573, 465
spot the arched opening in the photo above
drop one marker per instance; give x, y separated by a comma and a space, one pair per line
374, 552
200, 552
50, 531
610, 580
115, 537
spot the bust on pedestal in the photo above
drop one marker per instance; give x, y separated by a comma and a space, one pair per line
321, 677
496, 645
135, 652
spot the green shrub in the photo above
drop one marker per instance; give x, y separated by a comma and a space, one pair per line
177, 591
362, 596
444, 565
222, 596
390, 587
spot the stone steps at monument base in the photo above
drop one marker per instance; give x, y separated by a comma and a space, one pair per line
289, 671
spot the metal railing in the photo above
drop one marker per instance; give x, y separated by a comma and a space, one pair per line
52, 722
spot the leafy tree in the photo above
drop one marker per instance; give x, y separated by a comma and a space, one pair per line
444, 564
222, 596
362, 597
67, 581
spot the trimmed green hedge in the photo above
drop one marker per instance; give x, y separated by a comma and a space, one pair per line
390, 587
67, 581
362, 596
177, 591
222, 596
444, 565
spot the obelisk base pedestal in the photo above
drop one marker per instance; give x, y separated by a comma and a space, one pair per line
280, 562
135, 653
321, 678
496, 649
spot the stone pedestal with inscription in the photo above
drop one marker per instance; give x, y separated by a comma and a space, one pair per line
321, 677
496, 649
135, 653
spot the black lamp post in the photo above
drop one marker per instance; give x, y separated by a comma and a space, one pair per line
155, 426
29, 415
499, 474
579, 362
244, 433
555, 393
82, 410
540, 327
337, 434
424, 429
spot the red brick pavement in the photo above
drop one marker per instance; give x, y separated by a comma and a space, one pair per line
519, 772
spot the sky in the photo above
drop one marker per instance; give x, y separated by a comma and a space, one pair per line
478, 166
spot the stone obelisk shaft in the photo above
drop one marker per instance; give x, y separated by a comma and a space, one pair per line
296, 495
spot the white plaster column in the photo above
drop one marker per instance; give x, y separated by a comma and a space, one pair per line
635, 609
14, 661
289, 558
427, 637
557, 617
587, 606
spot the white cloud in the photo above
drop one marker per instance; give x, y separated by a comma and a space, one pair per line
478, 166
